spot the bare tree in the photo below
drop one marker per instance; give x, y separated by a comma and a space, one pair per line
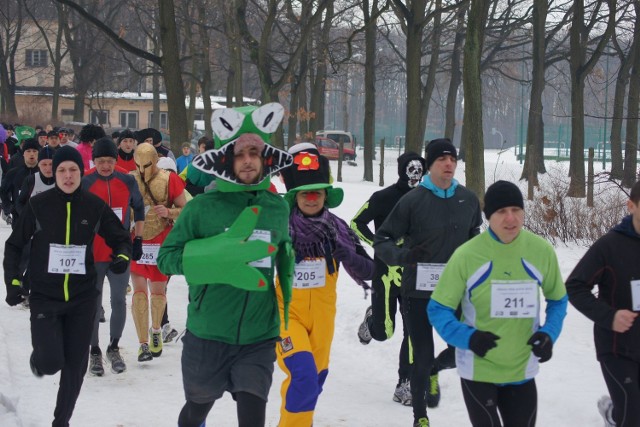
169, 62
580, 66
10, 31
633, 108
472, 135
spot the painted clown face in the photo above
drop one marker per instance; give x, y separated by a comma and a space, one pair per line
146, 158
236, 129
414, 172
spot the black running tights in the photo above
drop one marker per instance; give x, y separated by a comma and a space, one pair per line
622, 376
251, 411
517, 404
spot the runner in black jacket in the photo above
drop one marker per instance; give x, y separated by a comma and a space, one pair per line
61, 224
612, 264
380, 317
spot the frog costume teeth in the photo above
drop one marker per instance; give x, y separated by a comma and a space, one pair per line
229, 125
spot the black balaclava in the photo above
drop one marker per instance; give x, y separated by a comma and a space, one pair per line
411, 168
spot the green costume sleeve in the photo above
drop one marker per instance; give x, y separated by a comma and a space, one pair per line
199, 178
285, 263
224, 258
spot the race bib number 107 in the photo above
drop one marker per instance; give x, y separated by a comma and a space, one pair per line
67, 259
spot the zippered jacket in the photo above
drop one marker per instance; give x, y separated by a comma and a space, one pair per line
218, 311
440, 220
56, 218
612, 264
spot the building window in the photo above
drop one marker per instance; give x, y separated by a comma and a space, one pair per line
99, 117
66, 115
164, 119
36, 58
129, 119
198, 115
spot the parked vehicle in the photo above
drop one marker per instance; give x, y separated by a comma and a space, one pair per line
330, 149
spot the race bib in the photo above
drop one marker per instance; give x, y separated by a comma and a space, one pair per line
67, 259
427, 276
514, 300
309, 274
265, 236
149, 254
118, 212
635, 295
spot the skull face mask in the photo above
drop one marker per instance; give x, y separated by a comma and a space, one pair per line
414, 172
146, 158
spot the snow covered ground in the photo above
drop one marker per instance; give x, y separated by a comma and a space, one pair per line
361, 378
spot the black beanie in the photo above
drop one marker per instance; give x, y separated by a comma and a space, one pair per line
46, 152
126, 134
104, 147
501, 194
439, 147
67, 153
30, 144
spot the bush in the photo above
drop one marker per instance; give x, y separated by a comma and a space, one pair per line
562, 219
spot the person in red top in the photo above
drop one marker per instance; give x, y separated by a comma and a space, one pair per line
126, 145
120, 191
163, 194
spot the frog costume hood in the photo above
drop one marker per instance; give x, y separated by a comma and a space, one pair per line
240, 126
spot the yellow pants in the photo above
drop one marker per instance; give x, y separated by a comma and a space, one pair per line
303, 353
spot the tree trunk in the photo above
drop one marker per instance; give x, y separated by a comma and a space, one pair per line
370, 33
472, 133
633, 108
622, 80
173, 74
234, 79
434, 62
206, 72
534, 158
414, 139
579, 69
455, 77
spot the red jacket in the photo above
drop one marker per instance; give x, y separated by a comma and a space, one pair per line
119, 191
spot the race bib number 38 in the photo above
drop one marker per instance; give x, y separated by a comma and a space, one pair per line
67, 259
427, 276
514, 300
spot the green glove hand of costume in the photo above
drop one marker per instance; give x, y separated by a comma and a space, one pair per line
285, 263
225, 258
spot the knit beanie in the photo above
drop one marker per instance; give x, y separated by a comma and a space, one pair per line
440, 147
126, 134
68, 153
45, 153
30, 144
501, 194
104, 147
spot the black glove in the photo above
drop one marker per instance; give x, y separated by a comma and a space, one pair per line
481, 342
417, 254
119, 264
541, 346
7, 218
15, 293
136, 252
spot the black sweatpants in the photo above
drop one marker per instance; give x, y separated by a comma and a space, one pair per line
420, 330
622, 376
60, 335
517, 404
385, 299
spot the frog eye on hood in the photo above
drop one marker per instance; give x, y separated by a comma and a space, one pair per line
226, 122
268, 117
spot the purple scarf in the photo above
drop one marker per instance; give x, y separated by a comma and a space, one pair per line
314, 236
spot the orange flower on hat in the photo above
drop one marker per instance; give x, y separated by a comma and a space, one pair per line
306, 161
